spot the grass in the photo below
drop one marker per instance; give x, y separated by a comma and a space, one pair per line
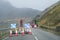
51, 19
52, 16
3, 34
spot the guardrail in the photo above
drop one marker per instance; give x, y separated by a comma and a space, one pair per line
57, 28
3, 29
47, 27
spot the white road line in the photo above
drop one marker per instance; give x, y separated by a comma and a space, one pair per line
35, 36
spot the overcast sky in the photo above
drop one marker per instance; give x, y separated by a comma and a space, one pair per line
35, 4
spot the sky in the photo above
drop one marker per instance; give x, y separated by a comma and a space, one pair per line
35, 4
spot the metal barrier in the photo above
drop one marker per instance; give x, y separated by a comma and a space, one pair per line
1, 29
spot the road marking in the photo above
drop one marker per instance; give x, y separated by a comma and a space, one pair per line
35, 36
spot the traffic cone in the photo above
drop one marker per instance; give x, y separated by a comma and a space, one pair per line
10, 33
30, 32
35, 26
16, 33
22, 31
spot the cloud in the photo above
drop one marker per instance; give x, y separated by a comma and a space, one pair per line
36, 4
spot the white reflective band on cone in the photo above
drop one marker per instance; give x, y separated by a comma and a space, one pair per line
35, 26
16, 31
29, 30
10, 31
22, 31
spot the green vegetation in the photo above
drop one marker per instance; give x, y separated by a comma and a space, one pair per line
3, 34
51, 19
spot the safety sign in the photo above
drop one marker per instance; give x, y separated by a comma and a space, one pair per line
13, 25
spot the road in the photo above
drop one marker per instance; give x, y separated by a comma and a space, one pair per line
37, 34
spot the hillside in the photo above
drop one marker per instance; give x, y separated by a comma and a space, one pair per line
9, 13
52, 16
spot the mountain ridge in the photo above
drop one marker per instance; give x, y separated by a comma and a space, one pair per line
8, 11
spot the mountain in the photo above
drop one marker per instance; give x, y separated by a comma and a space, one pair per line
51, 16
8, 11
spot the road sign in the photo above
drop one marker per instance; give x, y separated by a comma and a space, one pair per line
13, 25
26, 26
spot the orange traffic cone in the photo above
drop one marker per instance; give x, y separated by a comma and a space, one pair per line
30, 32
16, 33
22, 32
10, 33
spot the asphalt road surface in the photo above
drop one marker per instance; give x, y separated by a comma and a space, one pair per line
37, 34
